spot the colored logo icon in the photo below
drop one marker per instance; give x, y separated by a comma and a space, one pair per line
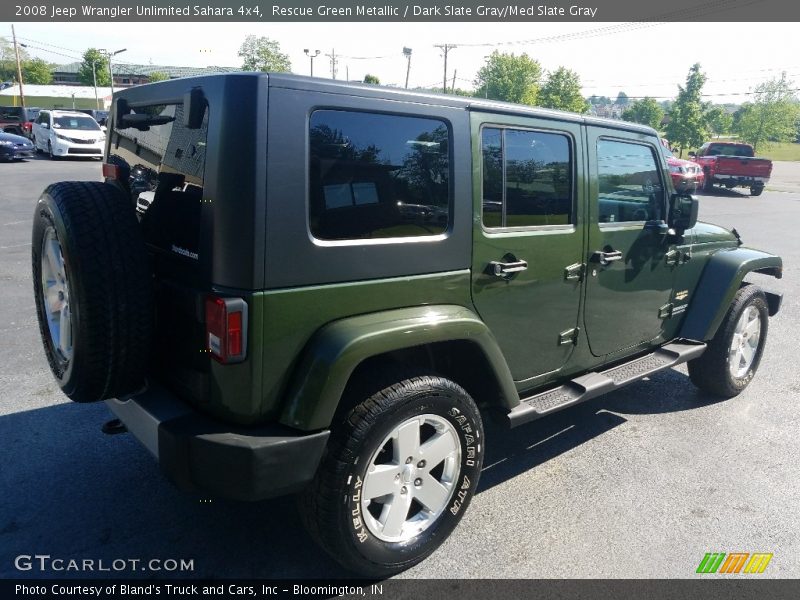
734, 562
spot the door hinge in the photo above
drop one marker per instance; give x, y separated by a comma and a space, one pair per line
570, 336
574, 272
665, 311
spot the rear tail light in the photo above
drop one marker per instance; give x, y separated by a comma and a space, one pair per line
110, 171
226, 328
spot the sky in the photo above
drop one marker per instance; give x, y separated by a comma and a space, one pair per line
643, 59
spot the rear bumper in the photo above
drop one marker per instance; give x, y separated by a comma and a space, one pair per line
203, 455
740, 179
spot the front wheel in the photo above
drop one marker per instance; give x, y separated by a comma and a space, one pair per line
731, 360
400, 471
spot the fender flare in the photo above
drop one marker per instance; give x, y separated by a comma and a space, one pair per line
334, 352
721, 278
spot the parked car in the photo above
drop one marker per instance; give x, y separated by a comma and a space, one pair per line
687, 176
18, 119
282, 316
733, 164
63, 133
98, 115
15, 147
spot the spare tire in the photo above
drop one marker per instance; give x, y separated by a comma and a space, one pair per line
93, 289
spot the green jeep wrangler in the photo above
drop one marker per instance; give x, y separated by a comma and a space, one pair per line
293, 285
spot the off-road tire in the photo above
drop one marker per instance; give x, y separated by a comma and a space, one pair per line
109, 289
755, 190
711, 371
331, 509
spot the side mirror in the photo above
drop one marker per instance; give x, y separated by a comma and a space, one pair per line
692, 155
683, 209
46, 125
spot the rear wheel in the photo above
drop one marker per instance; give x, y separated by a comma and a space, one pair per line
755, 190
92, 288
400, 471
731, 360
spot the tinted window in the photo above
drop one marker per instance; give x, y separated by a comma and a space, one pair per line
164, 166
527, 178
377, 176
629, 182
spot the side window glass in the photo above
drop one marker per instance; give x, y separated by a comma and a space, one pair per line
629, 181
527, 178
377, 176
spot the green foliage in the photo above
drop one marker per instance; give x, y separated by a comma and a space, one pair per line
37, 72
687, 127
596, 100
562, 91
622, 99
772, 116
93, 55
263, 54
646, 111
157, 76
719, 121
8, 60
373, 79
509, 77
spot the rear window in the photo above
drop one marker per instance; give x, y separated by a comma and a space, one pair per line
164, 163
730, 150
377, 176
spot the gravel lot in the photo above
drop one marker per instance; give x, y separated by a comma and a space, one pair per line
640, 483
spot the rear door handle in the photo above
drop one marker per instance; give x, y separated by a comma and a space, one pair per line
605, 258
503, 269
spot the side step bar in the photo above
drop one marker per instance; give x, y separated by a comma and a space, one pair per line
595, 384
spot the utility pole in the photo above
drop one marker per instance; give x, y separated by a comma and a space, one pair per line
407, 54
19, 69
453, 87
94, 81
445, 49
110, 71
334, 61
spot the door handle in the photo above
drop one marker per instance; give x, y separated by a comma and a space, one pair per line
504, 269
605, 258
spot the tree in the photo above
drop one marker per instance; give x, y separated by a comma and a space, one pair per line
509, 77
100, 61
772, 116
719, 121
157, 76
562, 91
687, 127
622, 99
372, 79
37, 72
8, 60
646, 111
263, 54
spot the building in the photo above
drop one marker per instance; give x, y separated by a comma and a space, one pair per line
57, 96
126, 75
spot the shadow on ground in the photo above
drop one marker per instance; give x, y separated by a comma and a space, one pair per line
70, 491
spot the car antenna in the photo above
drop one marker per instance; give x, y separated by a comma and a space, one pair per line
738, 237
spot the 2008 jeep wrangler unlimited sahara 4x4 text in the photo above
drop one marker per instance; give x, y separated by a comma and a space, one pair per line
322, 301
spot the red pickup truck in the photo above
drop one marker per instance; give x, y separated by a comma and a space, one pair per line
731, 164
